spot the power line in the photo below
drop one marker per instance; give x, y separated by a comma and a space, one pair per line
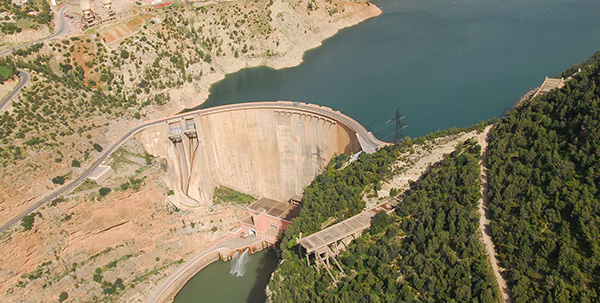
399, 133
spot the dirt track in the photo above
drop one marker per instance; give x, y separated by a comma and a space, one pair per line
484, 223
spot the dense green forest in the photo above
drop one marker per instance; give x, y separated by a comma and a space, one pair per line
428, 251
544, 175
336, 194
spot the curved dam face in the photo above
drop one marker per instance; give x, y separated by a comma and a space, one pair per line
269, 149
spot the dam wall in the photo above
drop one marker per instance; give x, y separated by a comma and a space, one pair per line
263, 151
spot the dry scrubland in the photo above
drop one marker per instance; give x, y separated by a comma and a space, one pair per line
7, 87
108, 247
84, 93
18, 23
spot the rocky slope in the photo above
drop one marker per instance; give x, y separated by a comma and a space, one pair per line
90, 92
83, 245
86, 91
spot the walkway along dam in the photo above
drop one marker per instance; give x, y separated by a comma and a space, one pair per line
261, 148
266, 149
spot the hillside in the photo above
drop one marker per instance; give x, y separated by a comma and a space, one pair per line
544, 175
24, 21
85, 92
428, 251
89, 89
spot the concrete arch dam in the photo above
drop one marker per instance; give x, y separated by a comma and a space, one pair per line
268, 149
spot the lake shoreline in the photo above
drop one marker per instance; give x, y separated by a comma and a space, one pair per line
360, 12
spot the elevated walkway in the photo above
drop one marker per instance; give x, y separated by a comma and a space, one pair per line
327, 243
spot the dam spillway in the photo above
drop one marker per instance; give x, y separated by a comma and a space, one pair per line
267, 149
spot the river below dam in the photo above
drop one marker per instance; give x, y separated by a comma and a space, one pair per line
442, 63
219, 282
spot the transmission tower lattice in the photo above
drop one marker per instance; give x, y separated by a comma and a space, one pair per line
399, 133
319, 166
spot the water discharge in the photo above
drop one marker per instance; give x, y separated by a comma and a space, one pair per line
442, 63
238, 263
215, 284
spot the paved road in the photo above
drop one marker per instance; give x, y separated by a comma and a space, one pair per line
59, 29
365, 137
25, 76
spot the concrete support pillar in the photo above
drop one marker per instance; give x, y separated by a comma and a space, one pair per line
326, 267
337, 264
344, 242
317, 262
299, 246
329, 272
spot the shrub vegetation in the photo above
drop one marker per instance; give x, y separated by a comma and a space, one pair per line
224, 194
544, 175
428, 251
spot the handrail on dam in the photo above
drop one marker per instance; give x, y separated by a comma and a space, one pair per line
368, 142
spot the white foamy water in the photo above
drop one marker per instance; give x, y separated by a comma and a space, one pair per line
238, 263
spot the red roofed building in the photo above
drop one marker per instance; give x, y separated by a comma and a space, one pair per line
267, 218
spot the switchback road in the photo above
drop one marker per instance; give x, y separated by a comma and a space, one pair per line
25, 76
59, 29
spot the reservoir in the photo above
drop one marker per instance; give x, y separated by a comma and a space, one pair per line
442, 63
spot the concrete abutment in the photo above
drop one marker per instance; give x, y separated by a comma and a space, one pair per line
266, 149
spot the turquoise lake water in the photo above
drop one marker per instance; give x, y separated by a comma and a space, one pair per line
441, 63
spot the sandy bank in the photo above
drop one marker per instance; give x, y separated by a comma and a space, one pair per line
293, 43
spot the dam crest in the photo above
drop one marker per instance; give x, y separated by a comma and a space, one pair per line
266, 149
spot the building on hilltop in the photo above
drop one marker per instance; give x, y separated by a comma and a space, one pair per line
88, 18
105, 12
106, 4
267, 218
95, 15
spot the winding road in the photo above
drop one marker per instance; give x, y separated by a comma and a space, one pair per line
366, 139
59, 30
25, 76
